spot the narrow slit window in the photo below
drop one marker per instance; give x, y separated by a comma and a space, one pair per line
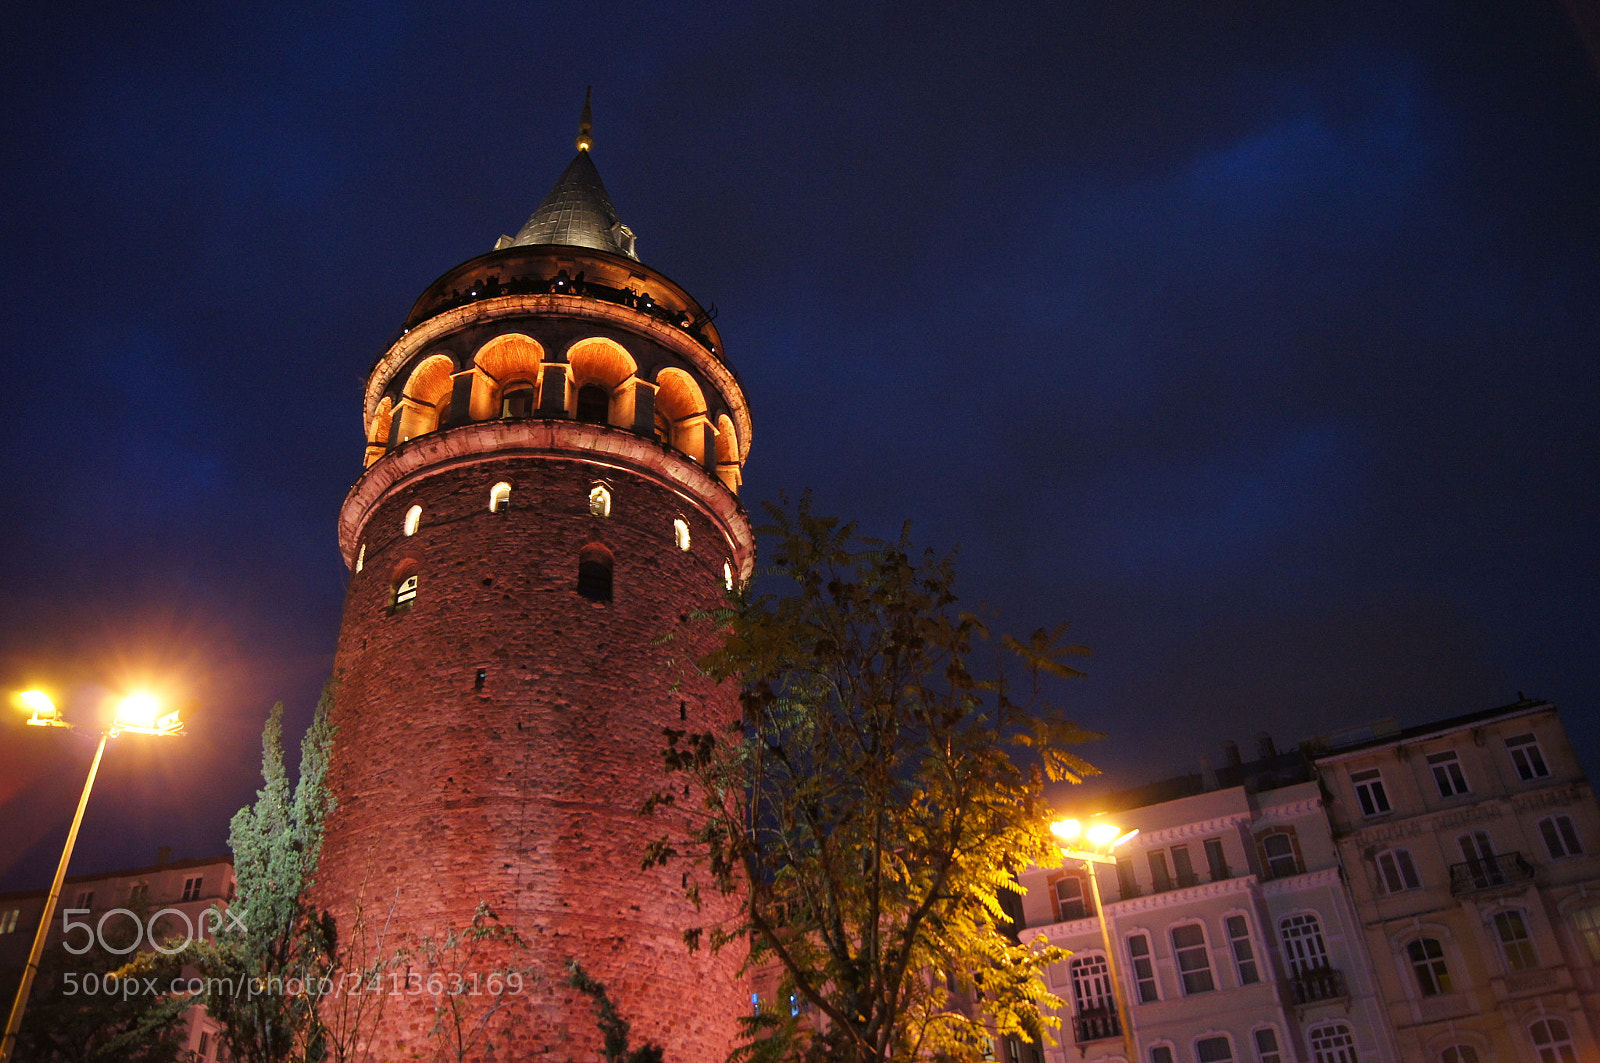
413, 520
405, 593
680, 534
600, 501
594, 574
361, 557
727, 575
500, 497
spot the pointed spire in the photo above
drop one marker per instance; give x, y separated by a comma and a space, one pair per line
586, 123
577, 212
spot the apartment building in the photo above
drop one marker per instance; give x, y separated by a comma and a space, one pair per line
1472, 852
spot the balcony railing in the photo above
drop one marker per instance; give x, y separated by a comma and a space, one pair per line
1317, 985
1489, 872
1096, 1024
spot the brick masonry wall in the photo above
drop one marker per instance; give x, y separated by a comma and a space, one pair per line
523, 794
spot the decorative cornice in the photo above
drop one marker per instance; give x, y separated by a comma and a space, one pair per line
559, 306
1179, 897
599, 445
1485, 811
1327, 876
1293, 810
1155, 839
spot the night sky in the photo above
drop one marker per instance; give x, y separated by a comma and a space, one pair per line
1258, 341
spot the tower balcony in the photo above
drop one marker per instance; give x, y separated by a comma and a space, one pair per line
1096, 1024
1317, 986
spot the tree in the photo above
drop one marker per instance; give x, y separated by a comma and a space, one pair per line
871, 808
272, 974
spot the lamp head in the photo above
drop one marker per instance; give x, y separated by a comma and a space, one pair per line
45, 713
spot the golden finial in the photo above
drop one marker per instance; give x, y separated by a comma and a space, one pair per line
586, 123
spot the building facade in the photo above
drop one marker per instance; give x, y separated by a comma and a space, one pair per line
1472, 850
548, 513
1236, 940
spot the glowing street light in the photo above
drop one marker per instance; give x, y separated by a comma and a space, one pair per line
1097, 844
138, 713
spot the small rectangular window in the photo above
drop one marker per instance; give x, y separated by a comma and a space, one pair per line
1070, 900
1182, 868
1277, 847
1127, 881
1560, 837
1397, 871
1515, 941
1213, 1050
1447, 774
1216, 860
1244, 957
1160, 877
85, 899
1267, 1050
1161, 1054
1144, 968
191, 889
1527, 757
1194, 959
1370, 792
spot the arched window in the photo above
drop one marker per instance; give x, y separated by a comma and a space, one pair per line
680, 534
500, 497
1586, 921
600, 500
405, 594
1560, 836
1332, 1043
1144, 968
1194, 959
594, 404
1213, 1050
1427, 960
413, 519
361, 557
1244, 954
1091, 984
1278, 853
1071, 898
727, 575
1553, 1042
1397, 872
1459, 1054
1516, 944
1302, 943
1267, 1050
594, 573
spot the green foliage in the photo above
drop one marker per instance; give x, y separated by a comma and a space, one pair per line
875, 801
468, 977
101, 1007
613, 1027
273, 971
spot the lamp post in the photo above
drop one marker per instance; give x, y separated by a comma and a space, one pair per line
1093, 845
138, 713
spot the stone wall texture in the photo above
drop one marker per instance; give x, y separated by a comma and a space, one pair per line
520, 790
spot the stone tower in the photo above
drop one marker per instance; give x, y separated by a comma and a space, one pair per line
550, 496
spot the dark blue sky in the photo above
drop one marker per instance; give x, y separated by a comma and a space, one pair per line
1259, 341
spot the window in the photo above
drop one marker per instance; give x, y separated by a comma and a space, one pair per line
1560, 836
1459, 1054
1447, 773
1244, 956
1160, 877
1427, 960
1070, 900
1369, 791
600, 501
680, 534
1194, 959
361, 557
1127, 880
1267, 1050
405, 594
1277, 851
1397, 872
1213, 1050
500, 497
1091, 984
727, 576
8, 920
594, 403
1516, 944
1302, 943
191, 889
139, 894
413, 518
1586, 921
517, 400
1527, 757
85, 899
1553, 1042
594, 574
1161, 1054
1144, 968
203, 1048
1476, 848
1182, 867
1332, 1043
1216, 860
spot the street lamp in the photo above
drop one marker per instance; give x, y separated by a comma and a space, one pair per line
1096, 844
139, 714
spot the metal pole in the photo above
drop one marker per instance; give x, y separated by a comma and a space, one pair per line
21, 1003
1111, 967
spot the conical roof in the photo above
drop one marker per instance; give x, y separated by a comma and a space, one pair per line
577, 213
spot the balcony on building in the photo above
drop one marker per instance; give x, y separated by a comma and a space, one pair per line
1096, 1024
1316, 986
1497, 871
